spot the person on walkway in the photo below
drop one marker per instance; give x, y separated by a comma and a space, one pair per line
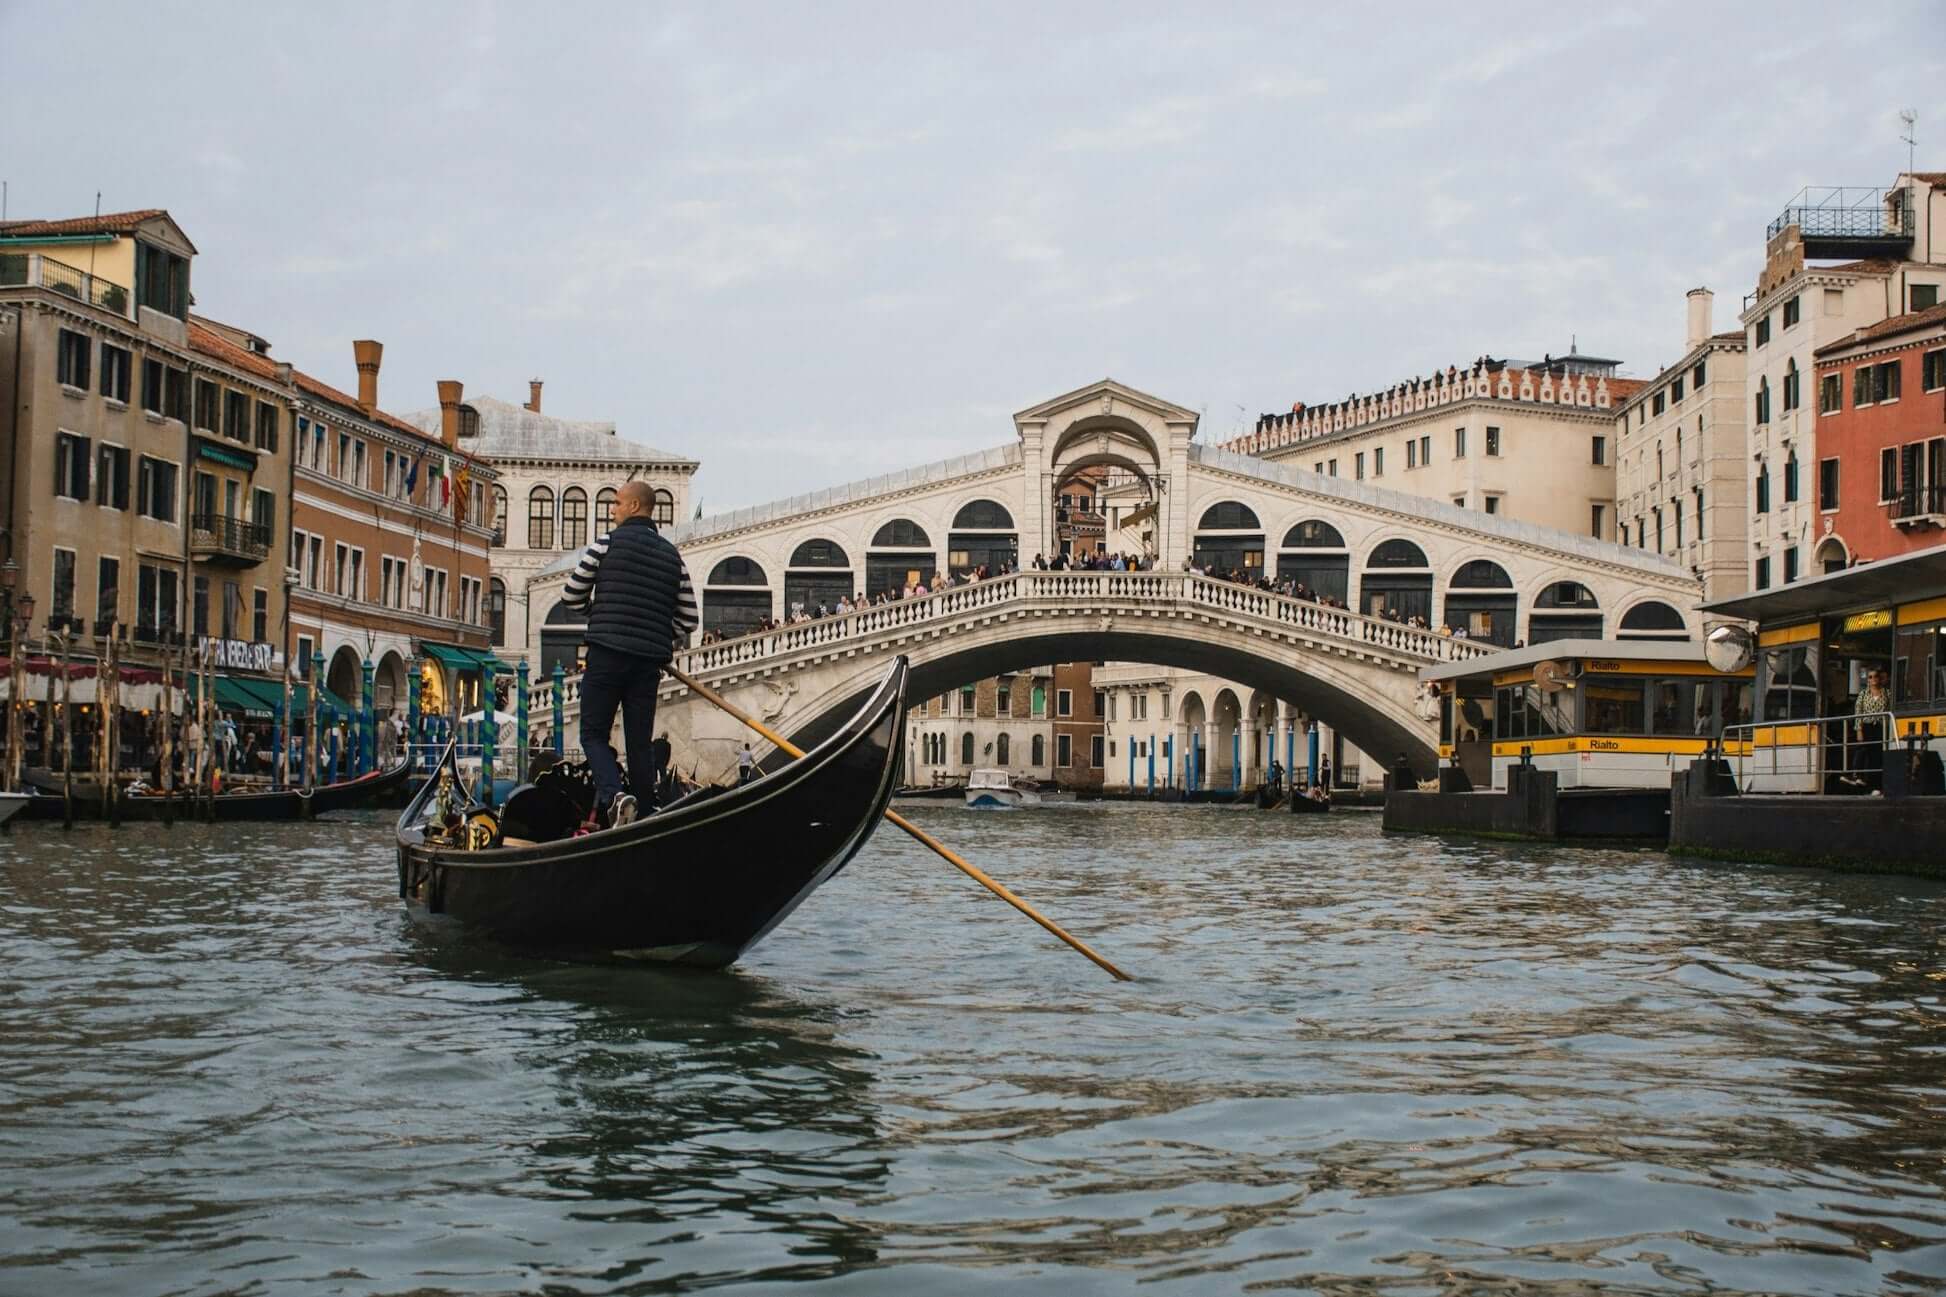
635, 591
746, 765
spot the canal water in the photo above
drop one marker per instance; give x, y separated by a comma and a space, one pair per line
1351, 1064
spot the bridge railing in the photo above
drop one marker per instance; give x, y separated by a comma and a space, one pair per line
1055, 589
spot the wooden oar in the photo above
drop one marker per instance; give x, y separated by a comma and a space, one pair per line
946, 853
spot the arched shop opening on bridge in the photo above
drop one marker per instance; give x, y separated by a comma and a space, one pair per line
1397, 582
1652, 619
1314, 556
389, 688
564, 639
736, 597
983, 536
344, 675
1480, 601
1229, 538
819, 575
1564, 610
901, 554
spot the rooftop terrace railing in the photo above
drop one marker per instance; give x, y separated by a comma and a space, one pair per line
1847, 212
33, 270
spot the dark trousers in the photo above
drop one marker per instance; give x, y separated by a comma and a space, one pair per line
615, 680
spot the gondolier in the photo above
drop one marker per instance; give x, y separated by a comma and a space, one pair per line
632, 586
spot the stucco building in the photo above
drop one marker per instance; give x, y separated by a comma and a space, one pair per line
1890, 252
1881, 469
388, 547
1682, 457
147, 458
555, 492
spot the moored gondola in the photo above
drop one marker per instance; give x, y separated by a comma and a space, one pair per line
698, 882
267, 805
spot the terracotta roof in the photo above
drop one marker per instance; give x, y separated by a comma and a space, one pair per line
1733, 335
324, 391
1906, 323
218, 347
1870, 266
1929, 177
106, 223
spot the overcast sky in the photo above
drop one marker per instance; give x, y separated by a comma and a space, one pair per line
804, 244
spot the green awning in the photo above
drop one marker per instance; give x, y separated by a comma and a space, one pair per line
262, 699
223, 455
460, 658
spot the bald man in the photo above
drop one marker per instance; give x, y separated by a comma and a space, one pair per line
641, 608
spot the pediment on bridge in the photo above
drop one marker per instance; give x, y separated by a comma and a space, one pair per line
1106, 397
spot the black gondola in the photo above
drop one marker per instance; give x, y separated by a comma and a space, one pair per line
698, 882
269, 805
1302, 804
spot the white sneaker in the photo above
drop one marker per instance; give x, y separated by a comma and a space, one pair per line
622, 812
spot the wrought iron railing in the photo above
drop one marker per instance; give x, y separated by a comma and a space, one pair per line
1920, 502
230, 535
30, 269
1846, 212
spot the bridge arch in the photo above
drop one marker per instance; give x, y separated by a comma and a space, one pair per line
736, 597
1314, 555
1651, 619
1330, 688
901, 550
983, 535
1229, 537
819, 574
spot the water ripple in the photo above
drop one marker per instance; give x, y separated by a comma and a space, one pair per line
1351, 1064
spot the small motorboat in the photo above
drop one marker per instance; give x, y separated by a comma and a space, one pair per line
697, 882
990, 790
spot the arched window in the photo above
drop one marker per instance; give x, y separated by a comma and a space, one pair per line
1396, 584
1652, 619
574, 518
1038, 748
1397, 553
819, 576
540, 518
1314, 534
497, 610
1229, 515
499, 522
901, 533
736, 599
982, 536
819, 553
983, 515
737, 571
1482, 574
1564, 610
1480, 603
966, 748
901, 553
662, 510
561, 639
1000, 753
604, 511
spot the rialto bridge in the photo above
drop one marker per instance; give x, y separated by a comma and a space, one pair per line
1127, 461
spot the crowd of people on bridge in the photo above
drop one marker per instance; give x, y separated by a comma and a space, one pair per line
1099, 561
915, 588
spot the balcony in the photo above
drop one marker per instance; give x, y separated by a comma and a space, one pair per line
32, 270
1846, 223
229, 542
1920, 506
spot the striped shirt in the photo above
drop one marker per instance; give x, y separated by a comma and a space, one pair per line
580, 590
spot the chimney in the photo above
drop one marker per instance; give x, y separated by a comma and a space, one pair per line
449, 394
366, 354
1702, 312
534, 395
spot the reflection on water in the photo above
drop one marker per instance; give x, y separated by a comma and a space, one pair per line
1350, 1064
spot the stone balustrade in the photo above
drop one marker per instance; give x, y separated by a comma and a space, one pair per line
1403, 648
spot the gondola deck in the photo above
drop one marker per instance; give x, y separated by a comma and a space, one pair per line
273, 805
697, 883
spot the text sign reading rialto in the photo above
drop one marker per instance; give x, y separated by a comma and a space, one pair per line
1878, 620
237, 654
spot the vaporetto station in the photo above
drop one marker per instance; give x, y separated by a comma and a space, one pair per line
1180, 499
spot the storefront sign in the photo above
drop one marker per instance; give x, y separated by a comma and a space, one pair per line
237, 654
1868, 620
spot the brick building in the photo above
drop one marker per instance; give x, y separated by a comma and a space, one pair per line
1881, 472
